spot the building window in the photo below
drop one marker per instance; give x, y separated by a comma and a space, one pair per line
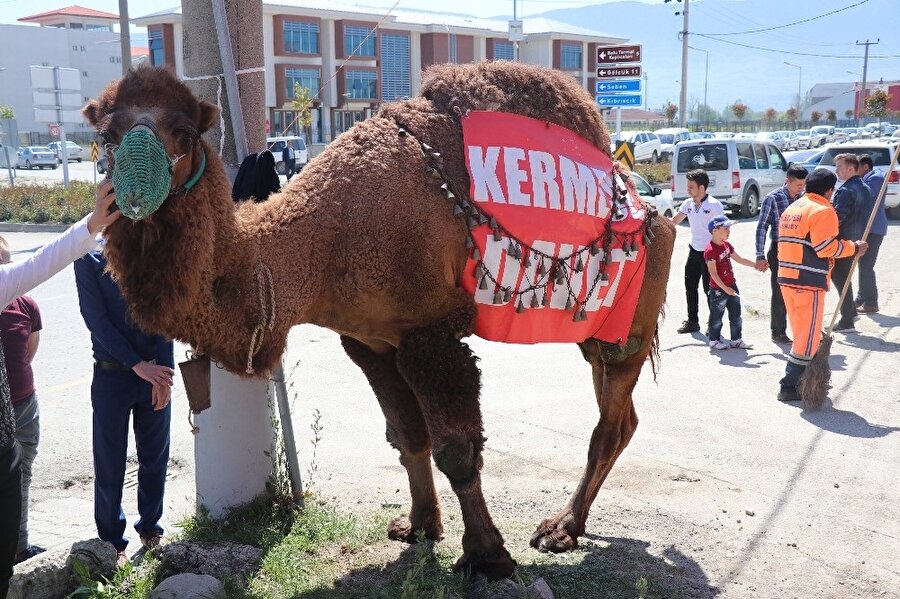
90, 27
115, 59
301, 38
157, 49
74, 47
504, 50
362, 85
76, 25
394, 67
84, 73
452, 43
308, 78
81, 48
570, 57
341, 120
359, 41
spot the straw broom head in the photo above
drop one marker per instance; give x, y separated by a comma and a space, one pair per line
813, 386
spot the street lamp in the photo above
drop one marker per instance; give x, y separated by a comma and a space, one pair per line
705, 76
799, 86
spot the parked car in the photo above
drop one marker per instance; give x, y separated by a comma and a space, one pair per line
668, 138
852, 133
36, 156
646, 145
723, 135
804, 139
881, 153
301, 153
773, 137
740, 171
808, 159
659, 198
820, 135
702, 135
789, 140
73, 151
840, 135
895, 134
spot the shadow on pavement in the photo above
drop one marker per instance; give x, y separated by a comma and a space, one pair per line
884, 320
870, 343
844, 422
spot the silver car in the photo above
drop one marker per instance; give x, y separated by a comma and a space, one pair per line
74, 151
36, 156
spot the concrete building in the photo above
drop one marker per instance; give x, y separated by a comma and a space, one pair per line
75, 37
842, 97
354, 58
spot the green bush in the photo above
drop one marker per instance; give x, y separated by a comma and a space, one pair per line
46, 204
655, 174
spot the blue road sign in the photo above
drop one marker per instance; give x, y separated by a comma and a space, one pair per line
621, 85
619, 100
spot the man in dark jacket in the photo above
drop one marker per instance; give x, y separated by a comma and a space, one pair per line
867, 297
289, 159
853, 204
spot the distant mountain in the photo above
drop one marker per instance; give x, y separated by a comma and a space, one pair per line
757, 77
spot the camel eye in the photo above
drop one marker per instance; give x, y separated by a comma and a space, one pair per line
185, 137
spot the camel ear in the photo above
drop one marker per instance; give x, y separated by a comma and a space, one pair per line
209, 114
91, 112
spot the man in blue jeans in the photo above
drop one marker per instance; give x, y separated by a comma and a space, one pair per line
132, 376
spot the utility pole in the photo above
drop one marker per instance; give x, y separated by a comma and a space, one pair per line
124, 35
862, 93
682, 103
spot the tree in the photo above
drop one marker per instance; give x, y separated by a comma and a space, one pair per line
770, 115
876, 104
848, 114
670, 110
6, 112
304, 104
814, 116
791, 114
831, 115
739, 109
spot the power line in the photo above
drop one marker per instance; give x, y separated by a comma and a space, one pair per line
783, 51
828, 14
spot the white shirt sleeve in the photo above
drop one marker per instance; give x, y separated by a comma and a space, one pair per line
19, 278
684, 206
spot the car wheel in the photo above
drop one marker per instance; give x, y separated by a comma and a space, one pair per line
28, 165
78, 160
54, 166
750, 205
655, 157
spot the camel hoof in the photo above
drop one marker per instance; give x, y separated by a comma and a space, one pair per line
555, 540
402, 529
495, 565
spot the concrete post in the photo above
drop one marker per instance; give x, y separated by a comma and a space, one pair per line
235, 436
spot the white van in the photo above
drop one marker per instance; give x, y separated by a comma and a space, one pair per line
741, 171
276, 145
669, 138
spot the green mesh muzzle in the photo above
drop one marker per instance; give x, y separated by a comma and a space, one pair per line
142, 175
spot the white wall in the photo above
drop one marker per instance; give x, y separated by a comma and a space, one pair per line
24, 45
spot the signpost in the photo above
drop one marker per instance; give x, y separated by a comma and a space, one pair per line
95, 154
616, 72
624, 153
610, 86
622, 85
56, 92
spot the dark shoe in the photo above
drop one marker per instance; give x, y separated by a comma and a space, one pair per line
845, 326
153, 540
28, 553
788, 395
867, 308
781, 338
689, 326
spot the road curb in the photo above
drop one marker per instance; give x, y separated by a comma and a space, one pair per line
31, 228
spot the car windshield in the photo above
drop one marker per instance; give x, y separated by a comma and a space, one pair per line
851, 130
666, 138
709, 156
40, 149
803, 132
820, 130
881, 156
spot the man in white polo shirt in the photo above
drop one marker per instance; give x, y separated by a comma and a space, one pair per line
699, 210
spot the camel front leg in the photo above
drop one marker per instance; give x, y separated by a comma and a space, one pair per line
444, 376
613, 384
407, 432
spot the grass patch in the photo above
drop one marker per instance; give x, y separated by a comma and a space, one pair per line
655, 174
47, 203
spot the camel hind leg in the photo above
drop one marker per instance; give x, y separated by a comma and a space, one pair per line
407, 432
443, 373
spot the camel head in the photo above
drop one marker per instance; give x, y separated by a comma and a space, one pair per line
150, 123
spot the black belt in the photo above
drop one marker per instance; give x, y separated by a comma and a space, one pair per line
106, 365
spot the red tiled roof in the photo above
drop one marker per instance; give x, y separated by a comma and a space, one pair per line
140, 51
71, 11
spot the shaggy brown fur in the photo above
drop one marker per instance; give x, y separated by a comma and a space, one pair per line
363, 243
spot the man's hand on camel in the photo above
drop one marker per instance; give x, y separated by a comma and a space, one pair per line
160, 396
762, 265
105, 211
154, 373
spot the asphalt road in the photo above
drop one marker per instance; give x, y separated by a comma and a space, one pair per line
754, 497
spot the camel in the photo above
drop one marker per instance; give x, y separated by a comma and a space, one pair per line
363, 242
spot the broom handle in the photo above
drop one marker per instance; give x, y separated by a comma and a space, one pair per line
865, 236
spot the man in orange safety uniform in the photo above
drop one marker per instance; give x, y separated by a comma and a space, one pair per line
807, 247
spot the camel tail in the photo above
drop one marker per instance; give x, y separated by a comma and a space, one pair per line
654, 343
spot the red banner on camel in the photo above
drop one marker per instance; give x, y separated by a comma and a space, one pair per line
556, 258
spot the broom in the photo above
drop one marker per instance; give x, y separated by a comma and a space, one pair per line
813, 385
